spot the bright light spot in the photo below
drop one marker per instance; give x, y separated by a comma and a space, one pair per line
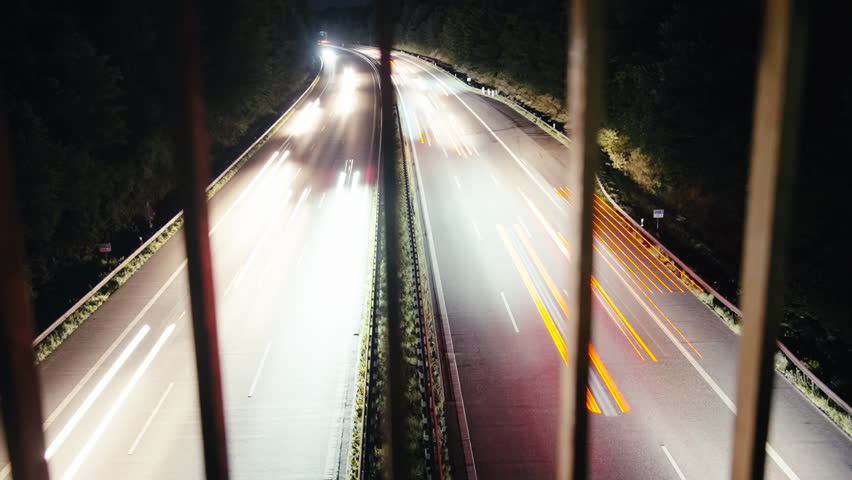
341, 179
355, 176
346, 94
307, 119
328, 56
274, 156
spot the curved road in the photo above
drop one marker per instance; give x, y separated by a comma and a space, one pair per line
289, 243
662, 375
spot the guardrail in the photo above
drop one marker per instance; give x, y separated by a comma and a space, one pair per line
52, 332
825, 389
357, 470
733, 308
425, 368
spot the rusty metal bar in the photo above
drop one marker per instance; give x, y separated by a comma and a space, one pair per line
396, 463
20, 398
767, 228
193, 174
585, 104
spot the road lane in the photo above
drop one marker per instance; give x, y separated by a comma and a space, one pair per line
300, 317
677, 402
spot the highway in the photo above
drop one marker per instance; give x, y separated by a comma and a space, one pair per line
289, 237
662, 373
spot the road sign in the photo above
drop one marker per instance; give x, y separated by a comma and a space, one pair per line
658, 213
105, 247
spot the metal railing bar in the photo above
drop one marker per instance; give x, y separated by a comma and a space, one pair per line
585, 106
767, 229
20, 398
193, 169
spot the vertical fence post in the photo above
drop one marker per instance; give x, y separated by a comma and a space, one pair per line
394, 433
767, 229
193, 175
585, 102
19, 389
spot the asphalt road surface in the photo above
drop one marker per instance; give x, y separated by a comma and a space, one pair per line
662, 374
289, 237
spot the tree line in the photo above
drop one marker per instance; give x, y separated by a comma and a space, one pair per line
85, 90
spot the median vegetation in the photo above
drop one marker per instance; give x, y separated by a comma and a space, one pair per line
423, 399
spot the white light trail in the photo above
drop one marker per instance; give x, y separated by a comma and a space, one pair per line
107, 418
93, 395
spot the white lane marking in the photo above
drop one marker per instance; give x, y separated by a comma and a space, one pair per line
6, 470
546, 225
704, 375
547, 192
476, 229
259, 369
709, 380
470, 463
119, 401
248, 189
150, 419
511, 317
524, 226
496, 183
781, 463
58, 410
672, 460
458, 183
95, 393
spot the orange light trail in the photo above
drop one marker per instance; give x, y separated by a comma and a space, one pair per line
565, 196
603, 242
615, 238
668, 263
641, 250
547, 278
558, 239
619, 326
624, 320
607, 378
539, 303
591, 403
610, 241
686, 340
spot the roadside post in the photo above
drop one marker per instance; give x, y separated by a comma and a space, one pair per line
658, 214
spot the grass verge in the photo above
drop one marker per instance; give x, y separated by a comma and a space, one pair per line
364, 358
429, 317
419, 359
122, 275
96, 299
